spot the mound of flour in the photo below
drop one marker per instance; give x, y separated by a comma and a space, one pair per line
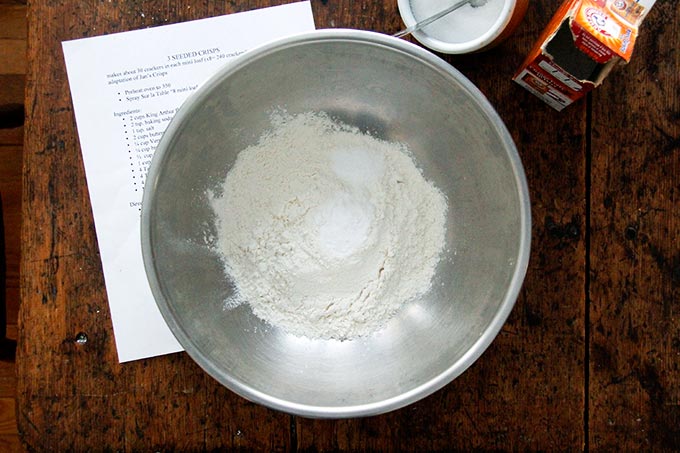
326, 231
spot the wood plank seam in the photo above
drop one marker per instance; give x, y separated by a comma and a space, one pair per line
13, 48
587, 238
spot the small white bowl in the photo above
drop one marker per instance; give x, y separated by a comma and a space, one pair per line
498, 26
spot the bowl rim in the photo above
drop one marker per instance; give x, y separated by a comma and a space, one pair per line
424, 389
479, 43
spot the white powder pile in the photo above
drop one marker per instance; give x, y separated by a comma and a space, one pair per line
462, 25
326, 231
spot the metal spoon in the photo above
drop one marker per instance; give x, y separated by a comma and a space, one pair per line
439, 15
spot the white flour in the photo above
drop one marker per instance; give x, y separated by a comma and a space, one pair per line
326, 231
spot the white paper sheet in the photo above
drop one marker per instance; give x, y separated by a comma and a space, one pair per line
125, 89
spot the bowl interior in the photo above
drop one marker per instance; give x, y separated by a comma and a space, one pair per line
399, 93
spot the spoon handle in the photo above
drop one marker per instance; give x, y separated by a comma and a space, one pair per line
429, 20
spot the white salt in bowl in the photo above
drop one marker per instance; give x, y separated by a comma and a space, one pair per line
398, 92
466, 30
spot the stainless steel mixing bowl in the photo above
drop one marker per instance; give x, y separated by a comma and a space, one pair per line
399, 92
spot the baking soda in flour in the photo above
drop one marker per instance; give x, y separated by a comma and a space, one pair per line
327, 231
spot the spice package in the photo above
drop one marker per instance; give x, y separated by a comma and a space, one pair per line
582, 43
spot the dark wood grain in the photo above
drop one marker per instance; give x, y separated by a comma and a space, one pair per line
635, 284
588, 357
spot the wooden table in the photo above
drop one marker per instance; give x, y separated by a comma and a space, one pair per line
589, 358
